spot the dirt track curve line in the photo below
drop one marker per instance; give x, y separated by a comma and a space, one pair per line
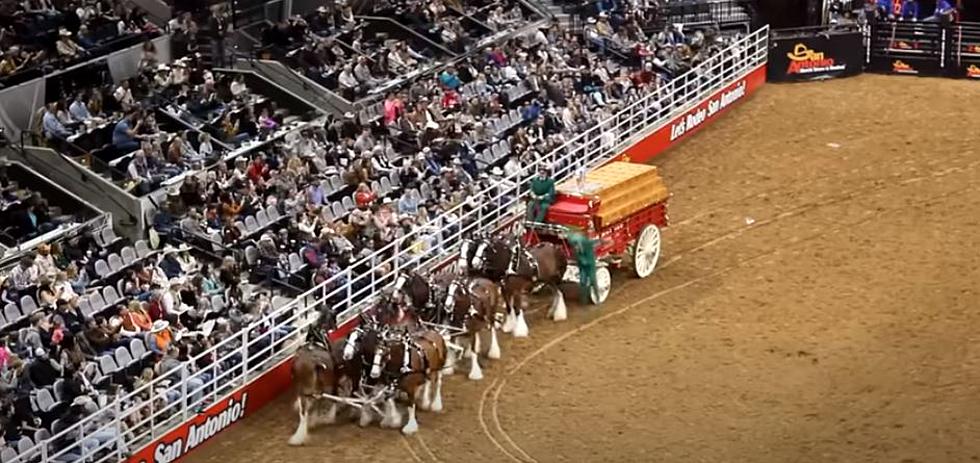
426, 448
411, 451
561, 338
500, 428
486, 429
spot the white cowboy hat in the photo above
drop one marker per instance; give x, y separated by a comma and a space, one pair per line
349, 115
64, 32
496, 171
163, 67
159, 326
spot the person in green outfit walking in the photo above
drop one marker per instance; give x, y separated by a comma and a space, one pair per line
585, 259
542, 195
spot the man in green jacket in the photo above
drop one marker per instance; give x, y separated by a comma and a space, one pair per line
542, 195
586, 260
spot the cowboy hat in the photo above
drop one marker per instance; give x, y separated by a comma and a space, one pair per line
159, 326
496, 171
64, 32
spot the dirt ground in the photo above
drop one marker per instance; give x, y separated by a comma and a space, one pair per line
816, 302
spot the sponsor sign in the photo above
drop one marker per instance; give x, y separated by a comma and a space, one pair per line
243, 402
695, 118
815, 57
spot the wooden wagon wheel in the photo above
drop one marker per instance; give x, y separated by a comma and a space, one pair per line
603, 282
646, 251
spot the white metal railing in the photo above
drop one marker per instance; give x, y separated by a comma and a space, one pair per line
133, 420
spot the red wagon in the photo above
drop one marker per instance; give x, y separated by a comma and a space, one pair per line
622, 205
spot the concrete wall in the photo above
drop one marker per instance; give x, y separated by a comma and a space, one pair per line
126, 209
322, 98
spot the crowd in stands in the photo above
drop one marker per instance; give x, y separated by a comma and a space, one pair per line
87, 319
330, 45
207, 116
50, 34
25, 214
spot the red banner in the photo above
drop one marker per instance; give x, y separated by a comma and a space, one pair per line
247, 400
695, 118
218, 417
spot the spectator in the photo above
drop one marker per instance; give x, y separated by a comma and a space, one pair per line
53, 127
124, 136
67, 48
160, 337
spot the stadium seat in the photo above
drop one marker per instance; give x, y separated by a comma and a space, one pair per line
262, 218
217, 303
143, 249
273, 213
3, 321
41, 436
328, 214
348, 203
115, 263
25, 447
338, 210
28, 305
129, 255
8, 455
386, 185
97, 301
45, 400
251, 224
110, 296
59, 390
109, 237
137, 348
241, 228
295, 263
123, 358
12, 313
107, 365
251, 255
85, 305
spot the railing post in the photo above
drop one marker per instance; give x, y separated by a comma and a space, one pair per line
396, 266
350, 281
244, 355
183, 391
120, 433
153, 413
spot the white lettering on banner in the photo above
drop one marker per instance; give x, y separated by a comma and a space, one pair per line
197, 434
697, 117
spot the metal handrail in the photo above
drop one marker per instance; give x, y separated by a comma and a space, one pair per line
244, 355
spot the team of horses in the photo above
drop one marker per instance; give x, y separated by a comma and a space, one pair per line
416, 332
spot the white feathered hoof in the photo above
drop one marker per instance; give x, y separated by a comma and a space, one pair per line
412, 426
560, 312
299, 437
365, 417
509, 323
494, 351
476, 373
437, 400
520, 327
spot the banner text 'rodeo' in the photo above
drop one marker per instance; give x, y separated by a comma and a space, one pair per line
697, 117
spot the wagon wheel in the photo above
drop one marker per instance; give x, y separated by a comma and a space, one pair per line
646, 251
603, 282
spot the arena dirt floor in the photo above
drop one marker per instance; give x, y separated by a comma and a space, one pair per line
816, 302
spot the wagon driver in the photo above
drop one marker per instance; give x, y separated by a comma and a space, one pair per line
585, 258
542, 195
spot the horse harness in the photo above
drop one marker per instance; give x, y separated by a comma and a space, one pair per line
516, 251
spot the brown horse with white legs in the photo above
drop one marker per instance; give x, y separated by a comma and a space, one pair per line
413, 363
475, 305
519, 269
317, 369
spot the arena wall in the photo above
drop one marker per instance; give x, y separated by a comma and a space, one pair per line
248, 399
